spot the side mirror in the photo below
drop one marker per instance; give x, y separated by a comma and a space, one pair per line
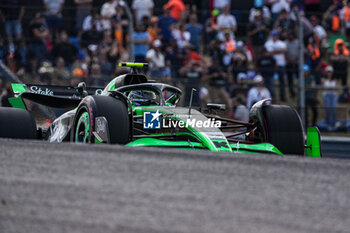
220, 107
81, 88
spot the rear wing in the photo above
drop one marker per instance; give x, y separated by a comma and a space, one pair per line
51, 96
50, 90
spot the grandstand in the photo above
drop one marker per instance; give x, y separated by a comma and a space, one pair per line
233, 48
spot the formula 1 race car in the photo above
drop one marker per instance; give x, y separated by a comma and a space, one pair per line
134, 111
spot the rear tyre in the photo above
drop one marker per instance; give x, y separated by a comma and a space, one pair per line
17, 123
284, 129
115, 112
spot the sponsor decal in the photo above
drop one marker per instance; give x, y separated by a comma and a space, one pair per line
152, 120
40, 91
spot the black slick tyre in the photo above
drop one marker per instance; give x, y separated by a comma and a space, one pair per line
284, 129
17, 123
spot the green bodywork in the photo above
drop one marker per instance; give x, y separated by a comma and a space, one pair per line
188, 138
313, 143
187, 145
17, 102
18, 88
202, 137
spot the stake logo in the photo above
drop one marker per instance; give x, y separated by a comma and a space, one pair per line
151, 120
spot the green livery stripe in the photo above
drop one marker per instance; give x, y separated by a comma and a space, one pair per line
112, 87
259, 148
17, 102
206, 141
97, 141
18, 88
163, 143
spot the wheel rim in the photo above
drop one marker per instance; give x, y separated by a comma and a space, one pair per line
82, 132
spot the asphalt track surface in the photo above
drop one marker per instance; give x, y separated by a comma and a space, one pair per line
54, 188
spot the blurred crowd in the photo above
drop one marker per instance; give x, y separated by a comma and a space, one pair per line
189, 49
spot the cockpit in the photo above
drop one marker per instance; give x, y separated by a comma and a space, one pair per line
151, 94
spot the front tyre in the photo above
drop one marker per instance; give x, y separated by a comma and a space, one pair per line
284, 129
113, 110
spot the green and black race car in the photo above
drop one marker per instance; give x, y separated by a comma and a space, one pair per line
134, 111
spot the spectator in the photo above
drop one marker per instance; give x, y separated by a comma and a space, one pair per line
241, 112
53, 10
156, 60
219, 4
181, 36
175, 57
292, 56
216, 50
258, 92
240, 60
61, 73
192, 75
152, 28
110, 49
84, 8
264, 11
332, 19
121, 19
314, 53
176, 7
344, 15
11, 13
165, 23
64, 49
31, 70
196, 31
142, 8
106, 66
108, 10
141, 41
308, 29
278, 48
226, 22
266, 65
21, 54
277, 6
211, 28
257, 31
311, 101
192, 55
340, 61
285, 24
38, 32
92, 18
330, 98
319, 31
96, 78
218, 79
91, 38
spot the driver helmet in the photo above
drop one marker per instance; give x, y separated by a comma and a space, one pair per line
142, 97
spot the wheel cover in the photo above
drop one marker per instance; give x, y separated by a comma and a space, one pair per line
82, 131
